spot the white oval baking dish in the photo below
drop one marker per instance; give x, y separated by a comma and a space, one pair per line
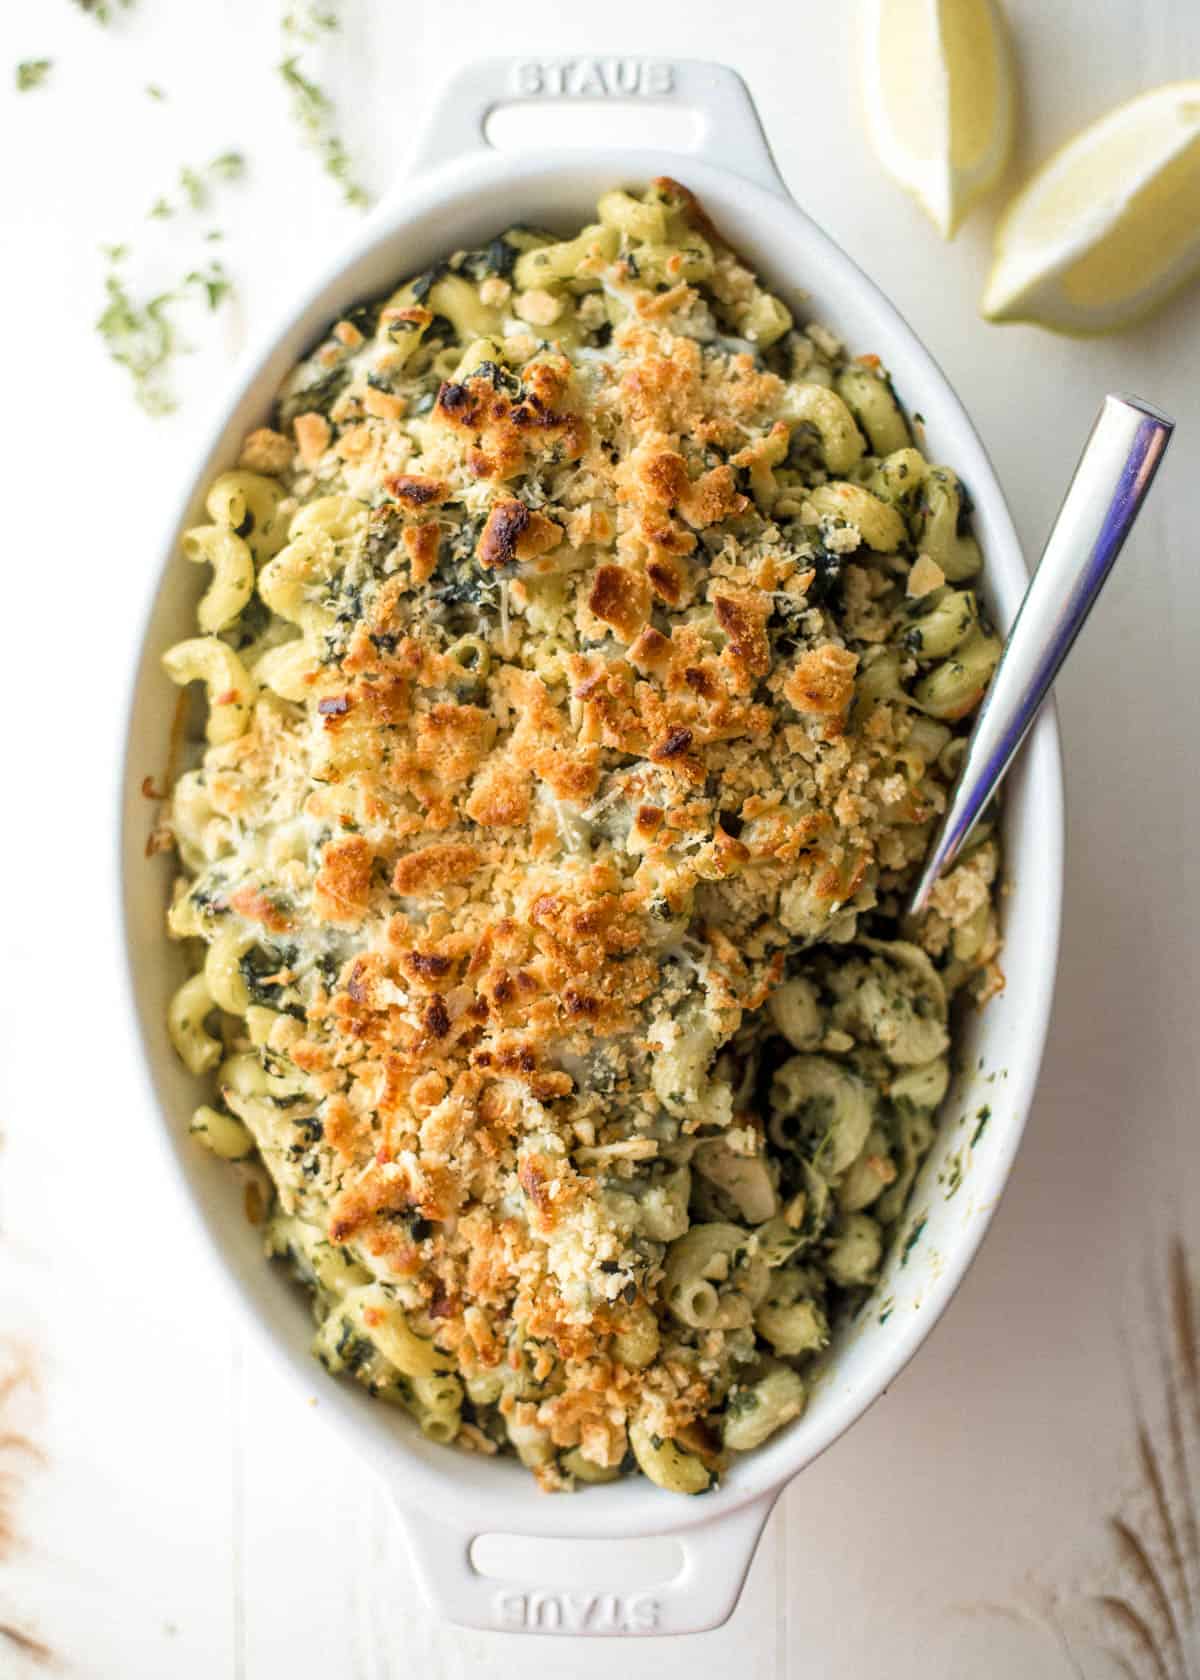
458, 191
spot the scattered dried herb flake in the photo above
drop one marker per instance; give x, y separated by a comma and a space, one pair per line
912, 1239
103, 10
312, 109
310, 22
195, 185
32, 72
213, 282
141, 336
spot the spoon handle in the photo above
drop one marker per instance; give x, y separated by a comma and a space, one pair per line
1115, 471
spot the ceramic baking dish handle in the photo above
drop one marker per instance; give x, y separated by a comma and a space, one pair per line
700, 1596
727, 130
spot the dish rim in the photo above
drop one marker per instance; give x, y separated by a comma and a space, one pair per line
454, 194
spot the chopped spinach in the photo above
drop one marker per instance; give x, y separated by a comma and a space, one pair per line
494, 260
317, 396
826, 588
363, 316
250, 623
32, 72
423, 284
966, 507
500, 378
258, 967
353, 1350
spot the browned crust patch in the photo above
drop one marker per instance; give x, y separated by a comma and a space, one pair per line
434, 867
342, 889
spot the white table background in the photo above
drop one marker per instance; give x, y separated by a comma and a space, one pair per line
176, 1507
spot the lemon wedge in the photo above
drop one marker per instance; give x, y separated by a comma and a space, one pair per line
938, 87
1110, 225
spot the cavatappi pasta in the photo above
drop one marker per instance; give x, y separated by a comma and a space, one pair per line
587, 651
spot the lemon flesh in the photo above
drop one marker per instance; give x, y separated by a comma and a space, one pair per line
938, 91
1110, 226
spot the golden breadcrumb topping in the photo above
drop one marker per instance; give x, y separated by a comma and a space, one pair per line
587, 661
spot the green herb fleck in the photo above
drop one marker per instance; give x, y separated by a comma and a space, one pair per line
826, 1139
141, 339
230, 166
195, 185
32, 72
309, 22
102, 10
153, 91
952, 1176
982, 1115
912, 1239
313, 110
141, 336
193, 188
215, 284
887, 1308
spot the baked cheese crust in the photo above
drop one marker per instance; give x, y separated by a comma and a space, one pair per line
587, 661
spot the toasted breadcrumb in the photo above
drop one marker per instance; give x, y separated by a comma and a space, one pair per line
578, 733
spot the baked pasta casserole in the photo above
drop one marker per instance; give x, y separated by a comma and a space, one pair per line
588, 651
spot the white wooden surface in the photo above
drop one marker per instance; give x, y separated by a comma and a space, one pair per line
187, 1513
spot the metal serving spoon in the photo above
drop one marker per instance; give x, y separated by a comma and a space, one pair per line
1115, 471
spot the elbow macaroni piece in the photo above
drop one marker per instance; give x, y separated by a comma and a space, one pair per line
879, 525
955, 551
460, 303
792, 1324
389, 1329
339, 519
233, 574
767, 319
743, 1177
231, 691
224, 1134
647, 223
868, 1176
569, 259
710, 1279
287, 670
190, 1007
871, 400
222, 970
438, 1402
637, 1341
899, 478
795, 1009
285, 585
756, 1412
953, 689
666, 1463
853, 1260
815, 1098
817, 406
669, 265
944, 625
248, 504
586, 1470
